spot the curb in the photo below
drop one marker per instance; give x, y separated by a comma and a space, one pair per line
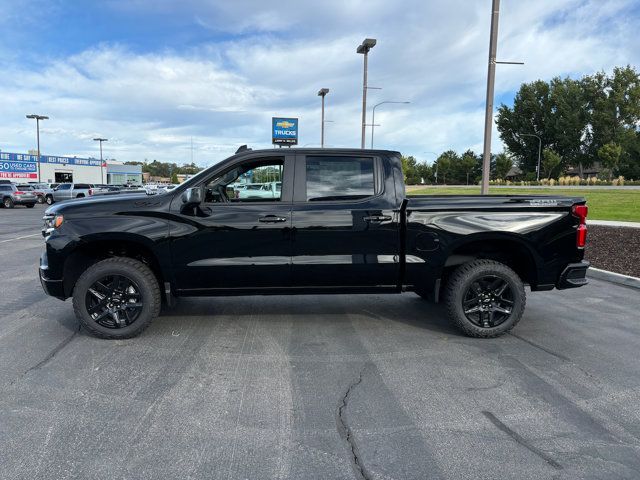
613, 277
612, 223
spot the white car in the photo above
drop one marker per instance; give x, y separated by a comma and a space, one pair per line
256, 191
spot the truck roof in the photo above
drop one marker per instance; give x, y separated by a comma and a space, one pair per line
272, 151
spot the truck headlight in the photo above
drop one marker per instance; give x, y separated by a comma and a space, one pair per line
51, 222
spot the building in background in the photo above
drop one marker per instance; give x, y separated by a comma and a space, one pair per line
23, 167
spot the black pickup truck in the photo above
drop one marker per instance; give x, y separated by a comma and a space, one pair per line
319, 221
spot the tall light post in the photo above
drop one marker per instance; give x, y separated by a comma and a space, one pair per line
491, 78
373, 116
37, 119
101, 162
366, 45
322, 93
539, 151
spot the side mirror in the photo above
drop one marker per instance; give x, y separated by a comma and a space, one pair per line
192, 196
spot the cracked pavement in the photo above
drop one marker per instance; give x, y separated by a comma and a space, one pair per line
313, 387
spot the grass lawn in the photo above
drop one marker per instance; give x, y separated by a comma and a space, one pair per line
609, 204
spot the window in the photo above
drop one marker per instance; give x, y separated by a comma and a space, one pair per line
64, 186
4, 188
256, 181
82, 186
63, 177
339, 178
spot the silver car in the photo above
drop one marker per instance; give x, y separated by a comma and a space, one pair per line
13, 195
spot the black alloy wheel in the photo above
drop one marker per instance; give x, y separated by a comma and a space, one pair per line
114, 301
488, 301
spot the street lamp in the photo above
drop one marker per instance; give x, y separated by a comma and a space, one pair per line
366, 45
373, 117
322, 93
539, 151
37, 119
101, 162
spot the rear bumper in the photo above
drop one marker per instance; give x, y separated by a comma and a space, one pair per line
52, 287
25, 201
574, 275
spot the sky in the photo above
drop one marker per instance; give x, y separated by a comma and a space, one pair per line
153, 76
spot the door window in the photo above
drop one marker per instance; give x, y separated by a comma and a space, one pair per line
339, 178
255, 181
64, 186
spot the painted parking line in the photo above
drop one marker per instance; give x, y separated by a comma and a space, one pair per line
20, 238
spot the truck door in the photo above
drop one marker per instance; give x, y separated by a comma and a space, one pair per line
231, 242
62, 192
345, 229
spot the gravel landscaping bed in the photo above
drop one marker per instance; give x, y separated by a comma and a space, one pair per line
616, 249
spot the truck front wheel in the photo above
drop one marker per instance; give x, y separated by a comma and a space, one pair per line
116, 298
484, 298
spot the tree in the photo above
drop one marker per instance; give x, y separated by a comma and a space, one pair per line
174, 177
445, 162
503, 165
409, 169
550, 161
468, 163
609, 155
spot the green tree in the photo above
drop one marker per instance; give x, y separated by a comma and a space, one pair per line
503, 165
469, 163
551, 160
444, 163
174, 177
410, 170
609, 154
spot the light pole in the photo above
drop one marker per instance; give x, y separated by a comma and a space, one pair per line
37, 119
539, 151
366, 45
322, 93
373, 116
491, 78
101, 162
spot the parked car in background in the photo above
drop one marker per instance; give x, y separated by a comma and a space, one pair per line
13, 195
67, 191
258, 191
41, 191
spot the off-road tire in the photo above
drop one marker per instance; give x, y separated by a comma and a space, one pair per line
458, 285
136, 271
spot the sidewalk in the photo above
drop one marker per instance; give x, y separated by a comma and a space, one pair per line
613, 223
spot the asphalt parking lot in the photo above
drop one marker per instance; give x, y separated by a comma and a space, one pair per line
306, 387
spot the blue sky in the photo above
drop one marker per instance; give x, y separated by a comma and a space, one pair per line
151, 75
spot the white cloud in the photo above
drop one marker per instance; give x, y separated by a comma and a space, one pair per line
223, 93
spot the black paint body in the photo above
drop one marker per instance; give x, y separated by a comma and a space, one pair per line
387, 242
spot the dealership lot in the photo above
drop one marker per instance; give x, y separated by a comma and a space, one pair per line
374, 386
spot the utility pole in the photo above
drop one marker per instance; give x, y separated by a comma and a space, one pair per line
488, 114
491, 79
366, 45
322, 93
101, 162
37, 119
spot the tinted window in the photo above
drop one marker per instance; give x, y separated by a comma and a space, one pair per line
339, 178
64, 186
82, 185
4, 188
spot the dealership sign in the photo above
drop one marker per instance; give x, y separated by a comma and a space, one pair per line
284, 131
21, 165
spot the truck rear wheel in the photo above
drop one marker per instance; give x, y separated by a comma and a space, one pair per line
484, 298
116, 298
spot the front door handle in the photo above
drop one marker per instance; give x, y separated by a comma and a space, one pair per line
377, 218
272, 219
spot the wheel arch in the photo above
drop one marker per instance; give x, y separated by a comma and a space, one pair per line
100, 247
510, 249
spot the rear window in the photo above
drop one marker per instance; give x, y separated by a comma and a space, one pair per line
24, 187
82, 185
339, 178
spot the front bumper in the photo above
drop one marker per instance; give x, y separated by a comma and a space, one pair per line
574, 275
52, 287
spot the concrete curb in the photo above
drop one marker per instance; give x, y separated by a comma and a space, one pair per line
612, 223
613, 277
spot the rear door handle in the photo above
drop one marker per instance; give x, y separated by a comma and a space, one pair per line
272, 219
377, 218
